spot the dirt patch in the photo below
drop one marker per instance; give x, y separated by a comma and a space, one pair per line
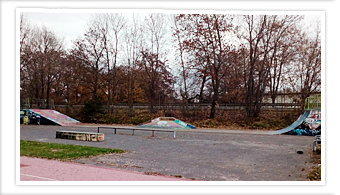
314, 173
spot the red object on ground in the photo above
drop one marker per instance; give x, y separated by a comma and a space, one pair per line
35, 169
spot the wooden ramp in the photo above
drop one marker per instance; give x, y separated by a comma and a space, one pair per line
56, 117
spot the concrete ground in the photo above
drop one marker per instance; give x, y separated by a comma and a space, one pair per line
199, 154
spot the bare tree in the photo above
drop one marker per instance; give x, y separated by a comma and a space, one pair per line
25, 33
25, 54
91, 52
284, 45
109, 27
40, 56
256, 28
183, 67
153, 61
133, 39
272, 46
305, 76
187, 79
206, 41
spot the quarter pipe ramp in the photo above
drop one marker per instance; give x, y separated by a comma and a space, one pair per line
294, 125
55, 117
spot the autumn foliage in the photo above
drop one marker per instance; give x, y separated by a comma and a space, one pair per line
165, 58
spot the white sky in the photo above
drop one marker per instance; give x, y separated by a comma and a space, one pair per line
72, 25
67, 25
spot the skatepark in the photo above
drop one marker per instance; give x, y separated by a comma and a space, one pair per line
199, 154
309, 122
166, 148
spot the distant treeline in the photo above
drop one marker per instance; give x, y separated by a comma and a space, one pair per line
163, 58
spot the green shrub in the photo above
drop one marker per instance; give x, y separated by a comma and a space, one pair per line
92, 111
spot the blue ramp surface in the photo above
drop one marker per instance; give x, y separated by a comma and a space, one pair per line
294, 125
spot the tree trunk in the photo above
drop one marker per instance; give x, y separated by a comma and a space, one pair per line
214, 102
249, 96
152, 98
48, 94
273, 97
213, 110
95, 85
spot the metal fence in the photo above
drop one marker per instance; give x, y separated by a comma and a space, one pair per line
36, 104
193, 112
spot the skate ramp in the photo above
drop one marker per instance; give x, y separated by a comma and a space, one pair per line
294, 125
165, 123
56, 117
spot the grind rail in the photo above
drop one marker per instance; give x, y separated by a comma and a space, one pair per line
137, 129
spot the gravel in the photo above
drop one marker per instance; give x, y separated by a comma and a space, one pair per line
199, 154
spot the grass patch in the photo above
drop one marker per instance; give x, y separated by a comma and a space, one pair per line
62, 152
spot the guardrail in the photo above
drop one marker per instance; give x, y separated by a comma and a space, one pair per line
313, 103
137, 129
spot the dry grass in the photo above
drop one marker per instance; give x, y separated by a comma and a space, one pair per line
314, 173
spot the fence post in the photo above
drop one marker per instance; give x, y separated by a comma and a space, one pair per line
174, 134
277, 112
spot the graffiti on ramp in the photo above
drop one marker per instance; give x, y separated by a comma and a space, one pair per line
166, 123
56, 117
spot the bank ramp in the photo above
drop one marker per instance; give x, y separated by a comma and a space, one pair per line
166, 123
294, 125
56, 117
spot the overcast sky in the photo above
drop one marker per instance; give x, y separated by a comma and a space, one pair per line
67, 25
72, 25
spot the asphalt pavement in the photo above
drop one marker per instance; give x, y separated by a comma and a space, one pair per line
199, 154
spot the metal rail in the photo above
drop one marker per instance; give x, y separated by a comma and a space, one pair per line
313, 103
137, 129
